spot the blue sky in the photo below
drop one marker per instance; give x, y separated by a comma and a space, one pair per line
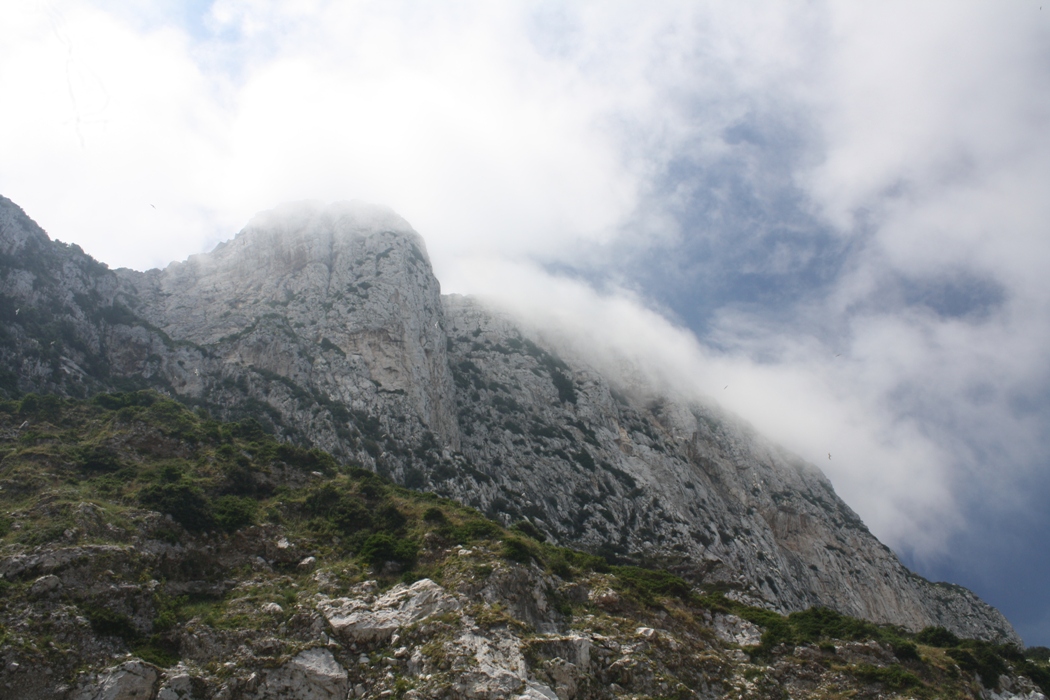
836, 210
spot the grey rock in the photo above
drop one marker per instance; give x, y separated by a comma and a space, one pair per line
313, 674
354, 620
131, 680
177, 686
45, 585
331, 317
734, 630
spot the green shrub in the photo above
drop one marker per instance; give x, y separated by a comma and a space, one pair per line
241, 478
1037, 653
435, 515
893, 677
234, 512
818, 623
381, 547
98, 459
649, 584
344, 511
351, 515
388, 517
471, 531
936, 637
249, 429
585, 560
167, 611
110, 623
183, 502
171, 474
529, 530
157, 654
321, 500
905, 650
516, 549
776, 628
311, 460
115, 402
46, 407
1039, 674
559, 566
43, 534
980, 658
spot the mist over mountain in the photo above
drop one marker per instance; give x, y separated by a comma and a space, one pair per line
326, 325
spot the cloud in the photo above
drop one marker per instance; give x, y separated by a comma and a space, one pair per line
807, 400
454, 118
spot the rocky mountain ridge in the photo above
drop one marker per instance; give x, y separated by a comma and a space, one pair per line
328, 327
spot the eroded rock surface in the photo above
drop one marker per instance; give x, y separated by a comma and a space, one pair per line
376, 620
131, 680
326, 325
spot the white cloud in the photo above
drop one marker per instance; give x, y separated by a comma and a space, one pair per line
808, 401
454, 120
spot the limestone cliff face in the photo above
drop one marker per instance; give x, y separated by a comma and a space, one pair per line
326, 325
341, 299
681, 484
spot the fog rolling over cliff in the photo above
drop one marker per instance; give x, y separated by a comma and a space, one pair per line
326, 324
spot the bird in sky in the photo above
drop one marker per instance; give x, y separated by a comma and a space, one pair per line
829, 455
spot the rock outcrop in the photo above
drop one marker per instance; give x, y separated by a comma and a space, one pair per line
326, 326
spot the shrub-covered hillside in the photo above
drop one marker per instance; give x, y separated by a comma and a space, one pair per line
147, 548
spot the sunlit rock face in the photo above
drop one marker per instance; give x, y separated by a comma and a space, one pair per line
325, 324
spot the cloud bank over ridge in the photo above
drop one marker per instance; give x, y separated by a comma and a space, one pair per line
830, 218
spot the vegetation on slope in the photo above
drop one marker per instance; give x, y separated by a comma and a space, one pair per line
136, 468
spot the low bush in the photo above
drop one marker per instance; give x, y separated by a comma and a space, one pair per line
183, 502
649, 583
381, 547
893, 677
98, 459
936, 637
110, 623
435, 515
529, 530
516, 549
235, 512
980, 658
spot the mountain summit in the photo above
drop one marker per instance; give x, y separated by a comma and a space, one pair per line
326, 325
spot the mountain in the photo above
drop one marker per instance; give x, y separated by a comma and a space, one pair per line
148, 551
326, 325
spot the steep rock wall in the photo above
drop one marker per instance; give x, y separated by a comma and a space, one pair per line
326, 325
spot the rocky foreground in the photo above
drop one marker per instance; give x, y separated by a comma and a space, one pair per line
151, 552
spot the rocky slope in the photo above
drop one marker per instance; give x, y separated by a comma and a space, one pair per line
150, 552
328, 327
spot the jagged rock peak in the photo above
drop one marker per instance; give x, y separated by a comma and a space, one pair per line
337, 297
16, 228
289, 237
